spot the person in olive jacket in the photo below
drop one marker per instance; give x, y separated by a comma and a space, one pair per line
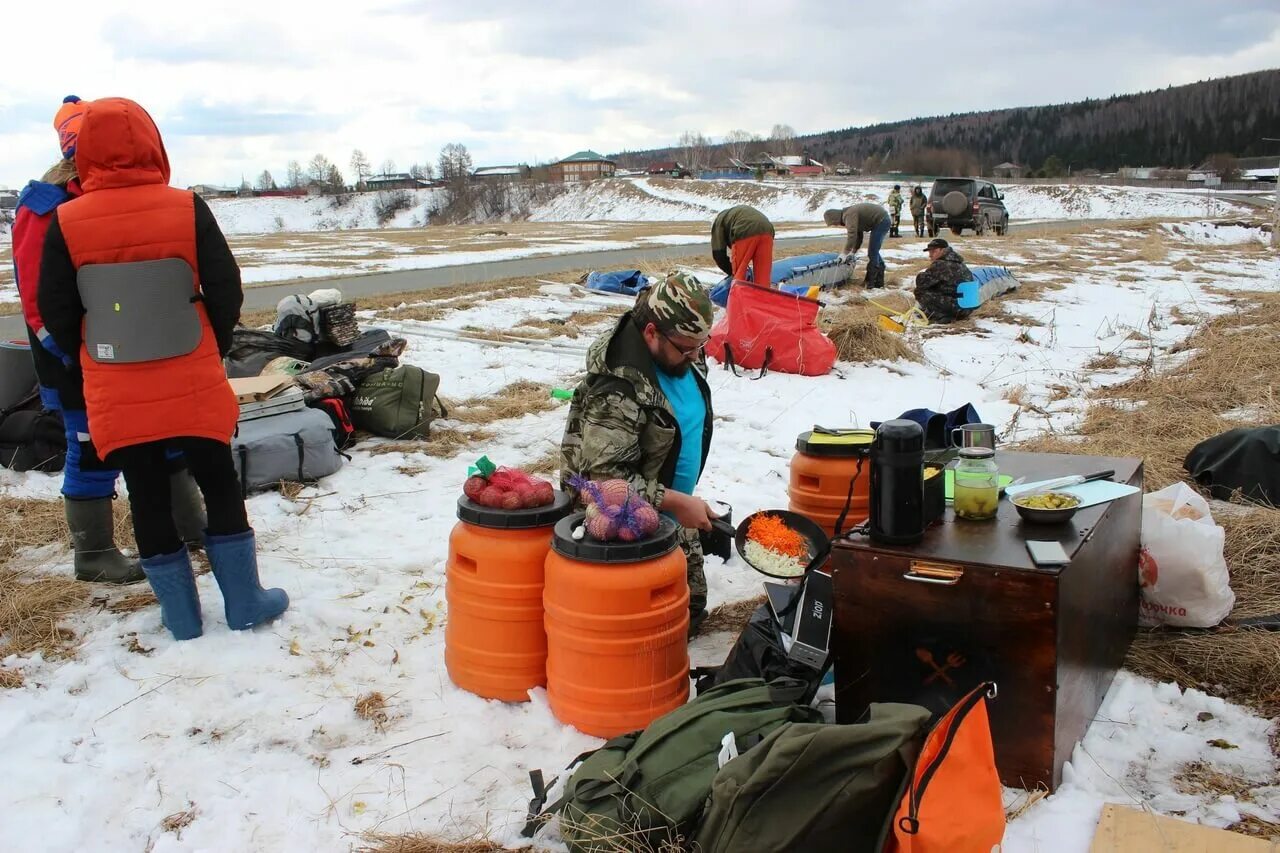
858, 219
748, 235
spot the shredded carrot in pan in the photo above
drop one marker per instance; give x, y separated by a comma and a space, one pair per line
769, 531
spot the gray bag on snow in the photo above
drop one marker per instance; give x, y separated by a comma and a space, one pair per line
295, 446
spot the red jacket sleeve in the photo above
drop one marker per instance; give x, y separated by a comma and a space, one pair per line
29, 230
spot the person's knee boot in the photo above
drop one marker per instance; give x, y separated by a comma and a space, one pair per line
174, 584
234, 560
97, 559
188, 508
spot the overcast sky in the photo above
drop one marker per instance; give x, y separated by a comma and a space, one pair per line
237, 87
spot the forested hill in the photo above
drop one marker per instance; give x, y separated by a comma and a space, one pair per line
1176, 126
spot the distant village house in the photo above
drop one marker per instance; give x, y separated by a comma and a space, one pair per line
582, 166
501, 173
394, 181
669, 168
1009, 170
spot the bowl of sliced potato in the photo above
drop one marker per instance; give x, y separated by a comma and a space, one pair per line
1046, 507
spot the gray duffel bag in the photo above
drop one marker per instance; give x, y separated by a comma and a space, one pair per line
295, 446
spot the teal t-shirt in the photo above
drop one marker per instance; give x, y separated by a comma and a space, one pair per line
691, 414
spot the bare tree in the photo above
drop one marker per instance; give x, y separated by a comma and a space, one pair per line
359, 166
783, 138
319, 167
265, 181
737, 142
295, 175
418, 173
388, 167
1225, 166
695, 147
455, 162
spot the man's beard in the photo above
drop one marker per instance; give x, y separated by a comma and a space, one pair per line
677, 371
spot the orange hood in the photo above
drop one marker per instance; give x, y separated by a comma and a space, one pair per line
119, 146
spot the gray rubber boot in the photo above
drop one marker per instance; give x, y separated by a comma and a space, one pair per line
93, 537
188, 508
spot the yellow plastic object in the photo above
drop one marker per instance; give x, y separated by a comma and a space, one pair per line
894, 320
889, 324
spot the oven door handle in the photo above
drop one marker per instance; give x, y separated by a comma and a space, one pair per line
935, 573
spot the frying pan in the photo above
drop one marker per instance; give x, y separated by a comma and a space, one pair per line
819, 542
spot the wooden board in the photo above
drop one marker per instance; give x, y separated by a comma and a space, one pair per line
1126, 830
253, 388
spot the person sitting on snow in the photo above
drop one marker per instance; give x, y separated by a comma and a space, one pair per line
857, 219
643, 413
748, 234
936, 287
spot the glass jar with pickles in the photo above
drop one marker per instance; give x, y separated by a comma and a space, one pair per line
977, 484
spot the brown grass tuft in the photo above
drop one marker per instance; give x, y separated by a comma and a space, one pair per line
858, 337
179, 821
420, 842
732, 616
546, 465
33, 522
11, 679
512, 401
31, 608
372, 707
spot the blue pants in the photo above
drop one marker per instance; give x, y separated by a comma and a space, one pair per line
78, 484
873, 245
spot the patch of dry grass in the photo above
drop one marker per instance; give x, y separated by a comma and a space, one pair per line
1158, 417
731, 617
32, 607
545, 465
372, 707
420, 842
856, 332
179, 821
511, 401
11, 679
33, 522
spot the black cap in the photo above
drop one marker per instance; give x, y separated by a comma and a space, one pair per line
937, 243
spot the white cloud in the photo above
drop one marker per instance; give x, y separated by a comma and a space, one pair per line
240, 86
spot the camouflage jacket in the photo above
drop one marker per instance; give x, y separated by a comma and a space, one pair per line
936, 287
895, 201
620, 423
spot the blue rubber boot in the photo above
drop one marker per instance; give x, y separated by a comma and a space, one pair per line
175, 588
235, 566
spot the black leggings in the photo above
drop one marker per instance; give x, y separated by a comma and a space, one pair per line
146, 473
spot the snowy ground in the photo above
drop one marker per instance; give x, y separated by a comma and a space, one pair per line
278, 239
256, 732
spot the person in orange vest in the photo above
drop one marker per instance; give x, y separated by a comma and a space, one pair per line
88, 487
137, 278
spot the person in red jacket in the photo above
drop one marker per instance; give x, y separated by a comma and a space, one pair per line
138, 279
87, 486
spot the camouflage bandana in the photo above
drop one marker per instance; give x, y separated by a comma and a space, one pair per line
680, 306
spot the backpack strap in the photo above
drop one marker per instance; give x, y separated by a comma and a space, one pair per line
302, 453
539, 812
244, 472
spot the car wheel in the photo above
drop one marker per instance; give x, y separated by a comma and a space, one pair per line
1003, 228
932, 229
956, 229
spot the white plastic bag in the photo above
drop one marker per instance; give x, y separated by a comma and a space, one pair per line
1182, 571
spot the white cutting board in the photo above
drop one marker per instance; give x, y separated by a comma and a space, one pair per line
1089, 494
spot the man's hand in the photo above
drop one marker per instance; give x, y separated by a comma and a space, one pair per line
844, 257
688, 511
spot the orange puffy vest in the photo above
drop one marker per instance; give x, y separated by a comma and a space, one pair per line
129, 213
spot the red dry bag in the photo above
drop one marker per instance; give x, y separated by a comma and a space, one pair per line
771, 330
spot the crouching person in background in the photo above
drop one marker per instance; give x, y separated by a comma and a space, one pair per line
137, 279
936, 285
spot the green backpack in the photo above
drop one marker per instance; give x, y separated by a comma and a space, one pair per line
398, 402
647, 789
817, 788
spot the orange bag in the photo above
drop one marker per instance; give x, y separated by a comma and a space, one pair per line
953, 803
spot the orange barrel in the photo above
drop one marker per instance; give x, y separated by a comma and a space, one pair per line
821, 471
494, 642
617, 617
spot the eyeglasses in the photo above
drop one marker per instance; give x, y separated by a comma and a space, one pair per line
685, 353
